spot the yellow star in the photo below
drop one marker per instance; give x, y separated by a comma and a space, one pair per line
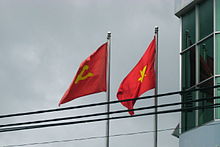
143, 74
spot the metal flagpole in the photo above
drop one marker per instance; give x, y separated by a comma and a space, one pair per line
108, 87
156, 88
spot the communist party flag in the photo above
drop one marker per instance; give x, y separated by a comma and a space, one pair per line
140, 79
90, 77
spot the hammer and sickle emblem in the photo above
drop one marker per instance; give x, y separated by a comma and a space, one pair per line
80, 77
143, 74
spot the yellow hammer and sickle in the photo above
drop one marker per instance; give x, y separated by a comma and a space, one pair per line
81, 77
143, 74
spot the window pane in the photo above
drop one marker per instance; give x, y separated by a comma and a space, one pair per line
205, 18
188, 115
217, 110
217, 15
188, 29
206, 114
188, 68
206, 59
217, 54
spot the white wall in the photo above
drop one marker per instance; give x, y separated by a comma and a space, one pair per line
204, 136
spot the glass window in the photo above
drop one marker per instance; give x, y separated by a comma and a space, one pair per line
198, 62
217, 15
206, 114
217, 110
188, 114
205, 18
217, 54
188, 68
206, 59
188, 29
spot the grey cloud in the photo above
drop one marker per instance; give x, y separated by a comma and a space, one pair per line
42, 44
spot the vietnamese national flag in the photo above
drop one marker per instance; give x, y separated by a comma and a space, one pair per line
141, 79
90, 77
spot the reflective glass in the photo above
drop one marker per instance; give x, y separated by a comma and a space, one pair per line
205, 18
217, 15
188, 68
217, 110
188, 114
206, 59
206, 113
188, 29
218, 54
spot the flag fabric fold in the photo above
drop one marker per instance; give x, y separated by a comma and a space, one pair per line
90, 77
140, 79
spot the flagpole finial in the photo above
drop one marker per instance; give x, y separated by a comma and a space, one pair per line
109, 35
156, 29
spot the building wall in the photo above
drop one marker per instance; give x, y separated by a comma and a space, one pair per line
197, 55
217, 46
204, 136
200, 68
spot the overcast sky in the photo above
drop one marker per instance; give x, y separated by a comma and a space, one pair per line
42, 43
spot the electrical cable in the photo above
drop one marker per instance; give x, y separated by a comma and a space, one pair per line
97, 137
105, 113
102, 119
87, 138
104, 103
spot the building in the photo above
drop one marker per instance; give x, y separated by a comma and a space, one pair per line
200, 67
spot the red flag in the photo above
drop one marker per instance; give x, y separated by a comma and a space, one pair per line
90, 77
140, 79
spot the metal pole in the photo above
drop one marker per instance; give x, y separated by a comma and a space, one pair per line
108, 87
156, 88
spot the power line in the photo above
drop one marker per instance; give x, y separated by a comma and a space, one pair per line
97, 137
87, 138
104, 113
102, 119
104, 103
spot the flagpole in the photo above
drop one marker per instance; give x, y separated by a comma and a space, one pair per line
156, 89
108, 87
